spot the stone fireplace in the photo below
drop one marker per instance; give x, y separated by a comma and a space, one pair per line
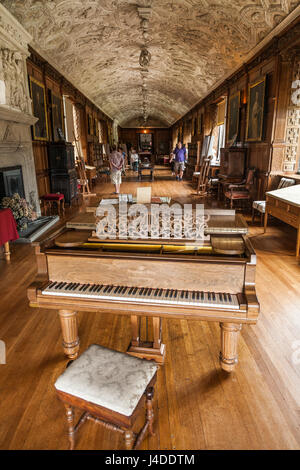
16, 116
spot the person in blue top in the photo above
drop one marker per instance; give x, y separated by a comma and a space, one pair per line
180, 158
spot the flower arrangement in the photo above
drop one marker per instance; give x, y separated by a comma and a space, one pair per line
22, 211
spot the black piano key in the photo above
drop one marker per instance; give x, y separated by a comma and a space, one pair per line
167, 292
130, 290
175, 293
198, 295
99, 288
193, 295
58, 285
86, 287
149, 292
68, 287
145, 291
123, 290
221, 297
156, 292
82, 287
229, 298
135, 290
182, 294
214, 296
225, 297
209, 296
51, 285
116, 290
187, 294
160, 293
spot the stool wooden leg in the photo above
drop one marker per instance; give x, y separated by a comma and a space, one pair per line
68, 320
149, 409
128, 439
6, 251
71, 426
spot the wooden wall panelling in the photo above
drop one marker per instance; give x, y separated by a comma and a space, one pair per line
38, 68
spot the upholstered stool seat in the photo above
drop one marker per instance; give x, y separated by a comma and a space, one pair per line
109, 386
57, 198
260, 206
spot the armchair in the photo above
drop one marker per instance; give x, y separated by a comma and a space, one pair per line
241, 191
260, 206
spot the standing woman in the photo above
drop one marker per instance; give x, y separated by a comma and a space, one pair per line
116, 164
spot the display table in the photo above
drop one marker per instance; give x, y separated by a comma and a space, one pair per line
284, 204
8, 230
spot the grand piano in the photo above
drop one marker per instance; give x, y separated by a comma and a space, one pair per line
150, 280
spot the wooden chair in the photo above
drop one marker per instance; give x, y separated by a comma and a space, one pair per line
241, 191
110, 388
260, 206
203, 179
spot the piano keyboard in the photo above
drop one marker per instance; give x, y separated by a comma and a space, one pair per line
142, 295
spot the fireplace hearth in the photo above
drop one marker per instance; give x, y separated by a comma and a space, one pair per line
11, 182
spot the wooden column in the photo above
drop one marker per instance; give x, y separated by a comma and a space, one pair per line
68, 320
229, 345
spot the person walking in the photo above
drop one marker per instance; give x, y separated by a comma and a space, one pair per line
116, 163
180, 157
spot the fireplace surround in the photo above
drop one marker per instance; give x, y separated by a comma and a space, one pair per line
16, 116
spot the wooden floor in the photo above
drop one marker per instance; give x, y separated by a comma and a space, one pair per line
198, 406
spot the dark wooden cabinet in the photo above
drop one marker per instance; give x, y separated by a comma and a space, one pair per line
65, 182
61, 156
63, 176
95, 155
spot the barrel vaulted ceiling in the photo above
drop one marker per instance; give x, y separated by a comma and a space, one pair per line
193, 45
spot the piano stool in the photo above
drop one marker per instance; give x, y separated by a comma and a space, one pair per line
110, 388
51, 200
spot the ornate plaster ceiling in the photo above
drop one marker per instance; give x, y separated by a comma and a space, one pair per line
193, 44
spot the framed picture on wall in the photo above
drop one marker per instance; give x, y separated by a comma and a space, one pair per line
95, 127
57, 117
194, 126
233, 117
39, 110
199, 123
255, 110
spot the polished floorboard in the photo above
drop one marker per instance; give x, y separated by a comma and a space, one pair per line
197, 405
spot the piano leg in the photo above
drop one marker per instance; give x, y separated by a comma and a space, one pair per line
229, 345
68, 320
155, 349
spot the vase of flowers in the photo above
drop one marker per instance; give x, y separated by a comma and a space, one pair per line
22, 211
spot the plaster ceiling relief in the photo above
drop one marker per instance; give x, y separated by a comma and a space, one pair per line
192, 44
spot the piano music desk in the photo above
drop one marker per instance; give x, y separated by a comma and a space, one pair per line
284, 204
